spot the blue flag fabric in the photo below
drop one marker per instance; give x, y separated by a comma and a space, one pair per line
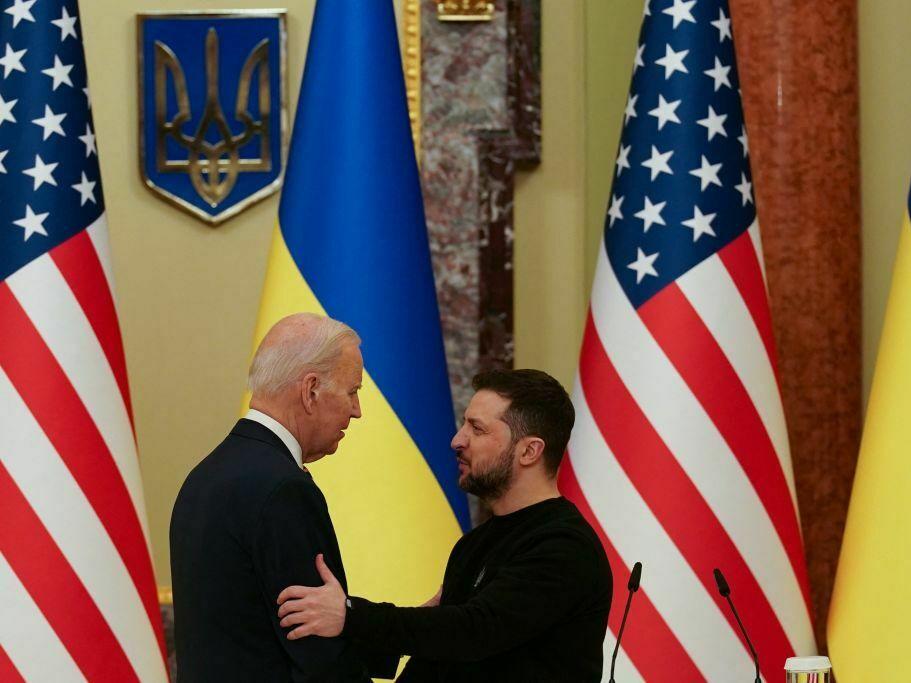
353, 197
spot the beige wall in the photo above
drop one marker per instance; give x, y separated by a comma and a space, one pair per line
550, 288
611, 37
188, 294
587, 51
885, 136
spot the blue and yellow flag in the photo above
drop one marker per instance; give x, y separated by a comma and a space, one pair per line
868, 619
351, 243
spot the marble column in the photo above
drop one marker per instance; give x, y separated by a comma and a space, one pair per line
798, 67
480, 98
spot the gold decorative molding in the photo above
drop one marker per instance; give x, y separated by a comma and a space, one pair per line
165, 595
465, 10
412, 64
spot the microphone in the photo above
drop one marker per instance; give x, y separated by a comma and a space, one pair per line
632, 586
725, 591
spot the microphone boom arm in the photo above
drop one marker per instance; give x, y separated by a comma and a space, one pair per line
725, 591
632, 586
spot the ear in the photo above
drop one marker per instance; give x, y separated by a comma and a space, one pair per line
530, 450
309, 392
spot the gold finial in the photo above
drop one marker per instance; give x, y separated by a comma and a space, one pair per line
464, 10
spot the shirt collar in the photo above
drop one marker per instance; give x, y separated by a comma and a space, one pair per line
279, 430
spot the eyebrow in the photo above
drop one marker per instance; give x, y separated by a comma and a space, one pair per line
475, 422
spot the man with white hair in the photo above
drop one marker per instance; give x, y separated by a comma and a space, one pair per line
249, 519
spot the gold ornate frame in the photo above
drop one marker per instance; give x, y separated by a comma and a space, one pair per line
412, 64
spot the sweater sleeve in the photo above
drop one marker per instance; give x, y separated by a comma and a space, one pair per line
535, 590
287, 539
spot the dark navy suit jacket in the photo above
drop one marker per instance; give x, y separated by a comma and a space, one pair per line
247, 523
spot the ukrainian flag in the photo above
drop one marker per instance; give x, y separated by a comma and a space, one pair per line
351, 243
869, 626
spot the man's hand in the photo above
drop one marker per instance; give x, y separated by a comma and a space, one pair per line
317, 611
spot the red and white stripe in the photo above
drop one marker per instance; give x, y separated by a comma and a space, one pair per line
77, 589
680, 460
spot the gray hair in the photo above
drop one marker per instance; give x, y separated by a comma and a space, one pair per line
297, 345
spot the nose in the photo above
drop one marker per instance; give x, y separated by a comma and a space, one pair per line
459, 441
356, 408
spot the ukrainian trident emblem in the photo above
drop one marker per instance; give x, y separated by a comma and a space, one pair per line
212, 109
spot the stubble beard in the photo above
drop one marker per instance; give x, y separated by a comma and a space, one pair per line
493, 482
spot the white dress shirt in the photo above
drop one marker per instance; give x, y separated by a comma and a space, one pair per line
279, 430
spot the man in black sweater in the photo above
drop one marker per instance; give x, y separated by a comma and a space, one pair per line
526, 595
249, 519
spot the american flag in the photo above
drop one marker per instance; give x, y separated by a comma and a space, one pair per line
77, 593
680, 457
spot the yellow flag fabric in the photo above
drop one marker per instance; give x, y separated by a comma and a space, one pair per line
869, 621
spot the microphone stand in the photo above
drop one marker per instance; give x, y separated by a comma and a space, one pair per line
725, 592
632, 586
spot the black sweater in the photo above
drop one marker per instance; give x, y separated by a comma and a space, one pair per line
525, 598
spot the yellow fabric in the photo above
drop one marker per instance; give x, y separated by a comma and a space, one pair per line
868, 621
394, 524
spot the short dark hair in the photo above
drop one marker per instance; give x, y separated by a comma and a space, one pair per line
538, 406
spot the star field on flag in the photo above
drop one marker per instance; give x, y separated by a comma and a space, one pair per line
47, 141
685, 154
78, 598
